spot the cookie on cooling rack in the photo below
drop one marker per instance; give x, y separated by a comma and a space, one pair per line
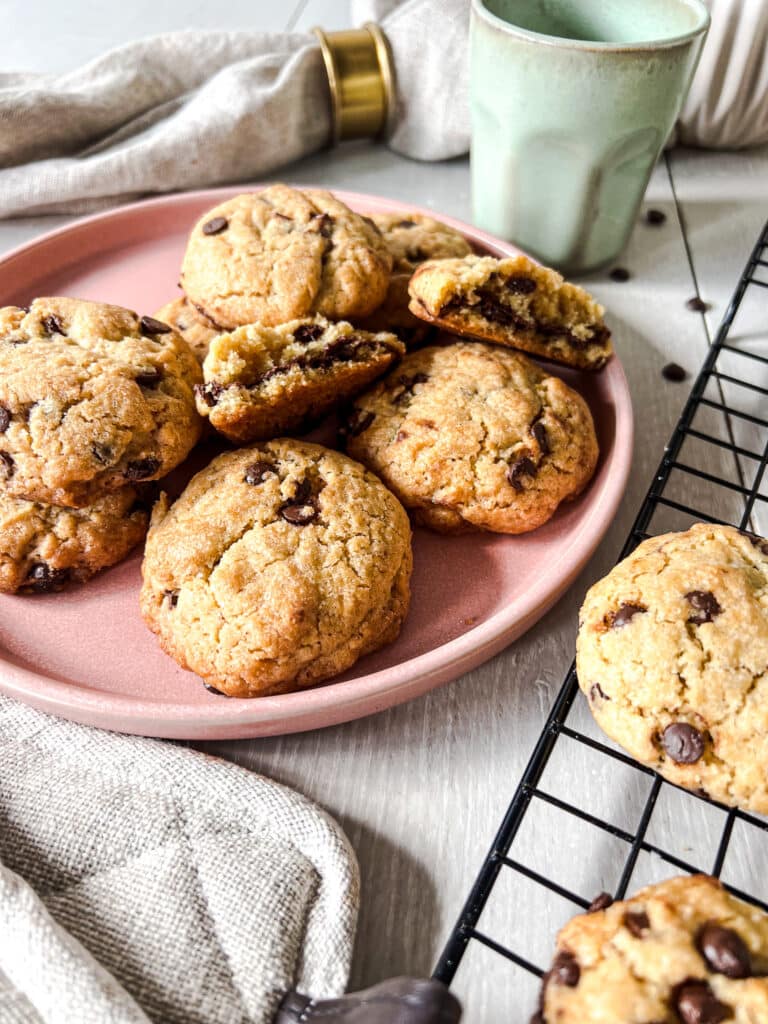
513, 302
278, 567
672, 654
683, 950
472, 436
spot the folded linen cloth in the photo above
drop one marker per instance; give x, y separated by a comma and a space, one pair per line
193, 109
142, 882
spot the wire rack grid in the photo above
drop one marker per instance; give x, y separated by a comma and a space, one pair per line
713, 470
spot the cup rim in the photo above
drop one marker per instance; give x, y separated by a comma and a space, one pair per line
480, 10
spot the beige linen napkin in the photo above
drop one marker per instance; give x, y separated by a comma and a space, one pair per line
140, 882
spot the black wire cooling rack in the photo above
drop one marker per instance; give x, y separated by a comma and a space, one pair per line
713, 470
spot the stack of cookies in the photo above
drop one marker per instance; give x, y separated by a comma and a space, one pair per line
95, 401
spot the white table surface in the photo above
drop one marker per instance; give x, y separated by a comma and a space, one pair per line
421, 789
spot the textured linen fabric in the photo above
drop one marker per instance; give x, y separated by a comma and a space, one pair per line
140, 881
192, 109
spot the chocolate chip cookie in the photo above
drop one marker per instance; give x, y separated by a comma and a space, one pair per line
514, 302
683, 950
673, 658
195, 328
413, 238
475, 436
280, 254
264, 381
278, 567
44, 547
92, 397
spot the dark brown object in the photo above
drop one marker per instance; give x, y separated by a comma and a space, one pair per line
697, 305
673, 371
655, 217
524, 466
212, 689
696, 1003
256, 472
359, 421
52, 325
539, 432
5, 419
724, 950
565, 970
683, 743
619, 274
596, 691
42, 579
704, 604
10, 465
624, 615
140, 469
171, 598
215, 226
149, 378
636, 922
102, 453
150, 326
520, 285
308, 332
397, 1001
601, 902
210, 393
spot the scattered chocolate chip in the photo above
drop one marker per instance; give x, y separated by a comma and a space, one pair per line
636, 922
673, 371
255, 473
539, 431
601, 902
43, 579
683, 743
308, 332
724, 950
655, 217
624, 615
565, 970
697, 305
524, 466
215, 226
520, 285
140, 469
696, 1003
10, 465
5, 419
596, 691
298, 514
149, 325
210, 393
359, 420
102, 453
212, 689
52, 325
405, 224
149, 378
619, 274
171, 598
705, 605
758, 542
323, 222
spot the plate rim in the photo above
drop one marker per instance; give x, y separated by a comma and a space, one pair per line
333, 702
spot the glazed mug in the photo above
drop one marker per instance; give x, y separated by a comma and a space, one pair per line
571, 103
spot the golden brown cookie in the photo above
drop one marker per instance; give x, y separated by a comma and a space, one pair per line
475, 436
92, 397
277, 568
513, 302
682, 951
413, 238
272, 256
193, 326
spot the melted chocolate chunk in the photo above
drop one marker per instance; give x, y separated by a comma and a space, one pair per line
601, 902
298, 515
171, 598
148, 325
140, 469
52, 325
565, 970
302, 492
405, 224
149, 378
724, 950
624, 615
619, 274
308, 332
697, 305
596, 691
683, 743
496, 312
358, 421
10, 466
43, 579
210, 393
636, 922
5, 419
655, 217
407, 384
539, 432
524, 466
257, 471
323, 222
696, 1003
215, 226
343, 350
705, 606
520, 285
102, 453
674, 372
212, 689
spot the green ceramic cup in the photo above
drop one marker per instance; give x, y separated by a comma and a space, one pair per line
572, 101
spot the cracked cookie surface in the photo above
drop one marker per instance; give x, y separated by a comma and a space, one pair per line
278, 567
264, 381
413, 238
683, 950
474, 436
272, 256
44, 547
92, 398
513, 302
193, 326
672, 654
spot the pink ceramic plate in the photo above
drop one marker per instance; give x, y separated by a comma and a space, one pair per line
85, 654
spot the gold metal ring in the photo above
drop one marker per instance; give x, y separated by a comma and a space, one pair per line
361, 81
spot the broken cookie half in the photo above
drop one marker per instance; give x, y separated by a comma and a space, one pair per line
513, 302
